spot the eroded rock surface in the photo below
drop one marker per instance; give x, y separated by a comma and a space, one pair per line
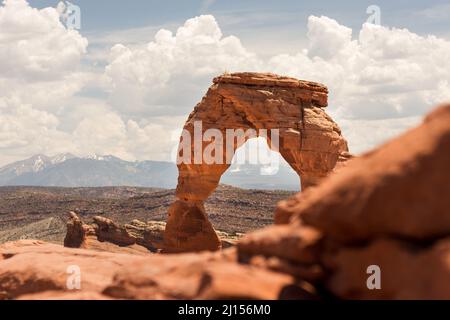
309, 140
388, 208
136, 237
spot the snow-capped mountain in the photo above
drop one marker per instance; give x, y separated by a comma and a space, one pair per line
61, 158
67, 170
101, 157
34, 164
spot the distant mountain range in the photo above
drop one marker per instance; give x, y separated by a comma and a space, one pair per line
67, 170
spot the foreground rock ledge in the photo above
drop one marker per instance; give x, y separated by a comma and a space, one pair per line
31, 269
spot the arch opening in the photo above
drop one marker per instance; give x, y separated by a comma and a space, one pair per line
256, 166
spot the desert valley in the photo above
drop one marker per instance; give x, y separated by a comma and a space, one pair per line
42, 212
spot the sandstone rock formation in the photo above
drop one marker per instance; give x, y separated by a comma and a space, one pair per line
399, 189
389, 208
136, 237
106, 235
309, 141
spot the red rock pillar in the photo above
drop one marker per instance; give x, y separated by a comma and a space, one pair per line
188, 228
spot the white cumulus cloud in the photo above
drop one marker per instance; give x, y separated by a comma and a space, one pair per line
381, 80
384, 78
39, 57
171, 73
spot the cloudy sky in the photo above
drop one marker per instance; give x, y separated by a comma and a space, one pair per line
126, 81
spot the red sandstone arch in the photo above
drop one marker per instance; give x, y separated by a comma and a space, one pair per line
309, 140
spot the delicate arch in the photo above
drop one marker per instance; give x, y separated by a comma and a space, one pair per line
307, 138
